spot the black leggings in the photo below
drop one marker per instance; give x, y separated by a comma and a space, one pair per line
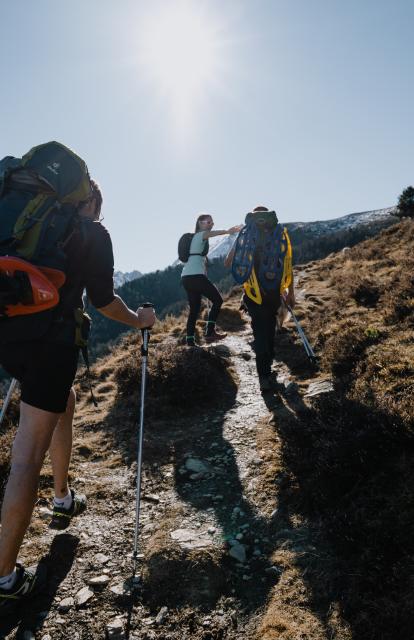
197, 286
264, 326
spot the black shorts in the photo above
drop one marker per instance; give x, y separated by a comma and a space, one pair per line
46, 372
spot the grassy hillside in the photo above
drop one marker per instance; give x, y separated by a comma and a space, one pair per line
332, 499
350, 466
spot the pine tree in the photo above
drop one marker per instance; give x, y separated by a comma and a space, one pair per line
405, 207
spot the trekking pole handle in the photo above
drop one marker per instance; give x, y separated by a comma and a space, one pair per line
145, 332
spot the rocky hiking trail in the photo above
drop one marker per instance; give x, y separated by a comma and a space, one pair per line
283, 517
216, 534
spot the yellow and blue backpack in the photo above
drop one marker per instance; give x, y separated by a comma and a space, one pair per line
263, 242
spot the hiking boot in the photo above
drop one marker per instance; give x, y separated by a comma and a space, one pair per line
265, 383
61, 517
214, 336
29, 583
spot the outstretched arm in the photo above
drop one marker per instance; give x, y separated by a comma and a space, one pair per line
117, 310
222, 232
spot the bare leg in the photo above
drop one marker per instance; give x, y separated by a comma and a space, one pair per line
60, 449
29, 449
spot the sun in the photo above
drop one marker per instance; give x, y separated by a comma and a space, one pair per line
181, 54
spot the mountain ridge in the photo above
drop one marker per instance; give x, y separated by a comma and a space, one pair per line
316, 228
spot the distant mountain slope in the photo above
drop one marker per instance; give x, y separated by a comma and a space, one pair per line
299, 230
120, 277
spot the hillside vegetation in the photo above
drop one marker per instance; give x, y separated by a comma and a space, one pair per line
351, 462
322, 484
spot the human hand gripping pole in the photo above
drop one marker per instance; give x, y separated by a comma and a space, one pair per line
144, 352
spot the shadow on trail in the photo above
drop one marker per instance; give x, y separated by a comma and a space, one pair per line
290, 350
351, 478
348, 477
179, 577
56, 565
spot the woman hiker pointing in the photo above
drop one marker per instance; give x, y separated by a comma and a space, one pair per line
196, 283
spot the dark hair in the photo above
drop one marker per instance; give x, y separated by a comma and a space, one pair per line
202, 216
97, 195
260, 207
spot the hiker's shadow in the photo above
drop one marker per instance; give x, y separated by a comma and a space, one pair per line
282, 399
350, 479
57, 564
290, 351
220, 497
220, 503
215, 493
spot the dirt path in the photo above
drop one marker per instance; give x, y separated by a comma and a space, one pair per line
208, 524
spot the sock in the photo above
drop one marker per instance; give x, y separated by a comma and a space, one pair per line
211, 325
65, 502
7, 582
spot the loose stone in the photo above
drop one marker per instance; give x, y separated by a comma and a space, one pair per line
102, 558
161, 615
65, 605
83, 596
115, 630
238, 552
99, 581
195, 465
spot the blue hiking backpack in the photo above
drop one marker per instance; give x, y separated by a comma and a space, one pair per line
261, 241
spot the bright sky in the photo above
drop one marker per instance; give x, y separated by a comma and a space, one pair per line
182, 106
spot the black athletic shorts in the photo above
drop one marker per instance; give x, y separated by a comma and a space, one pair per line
46, 372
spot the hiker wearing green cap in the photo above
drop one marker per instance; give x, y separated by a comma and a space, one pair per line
38, 349
195, 281
261, 260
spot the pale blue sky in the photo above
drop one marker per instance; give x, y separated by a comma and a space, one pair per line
303, 105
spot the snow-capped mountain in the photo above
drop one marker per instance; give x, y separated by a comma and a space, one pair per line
120, 278
317, 228
349, 221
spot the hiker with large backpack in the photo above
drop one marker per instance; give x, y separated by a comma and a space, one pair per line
192, 250
261, 260
52, 247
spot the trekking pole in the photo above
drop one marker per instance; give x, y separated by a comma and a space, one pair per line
144, 352
308, 349
7, 399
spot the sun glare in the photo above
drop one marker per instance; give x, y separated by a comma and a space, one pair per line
180, 53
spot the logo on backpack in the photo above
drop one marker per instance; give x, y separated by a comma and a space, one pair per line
55, 166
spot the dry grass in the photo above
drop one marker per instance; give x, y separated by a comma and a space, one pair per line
349, 470
179, 378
